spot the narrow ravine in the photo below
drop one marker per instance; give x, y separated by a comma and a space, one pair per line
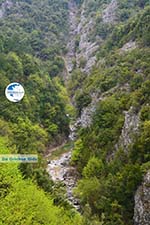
59, 168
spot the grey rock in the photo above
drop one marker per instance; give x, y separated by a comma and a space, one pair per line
79, 28
8, 4
142, 203
1, 13
86, 47
129, 46
109, 14
60, 170
72, 36
131, 125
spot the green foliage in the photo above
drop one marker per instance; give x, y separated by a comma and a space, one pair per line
141, 147
77, 152
136, 28
29, 24
121, 80
94, 167
107, 123
21, 133
145, 113
40, 118
87, 190
18, 194
82, 100
33, 39
4, 128
62, 92
82, 62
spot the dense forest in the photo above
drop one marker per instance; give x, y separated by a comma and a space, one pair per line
106, 102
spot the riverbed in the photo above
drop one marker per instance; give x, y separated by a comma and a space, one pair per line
61, 170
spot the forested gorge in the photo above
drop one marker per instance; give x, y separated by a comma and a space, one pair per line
31, 55
108, 108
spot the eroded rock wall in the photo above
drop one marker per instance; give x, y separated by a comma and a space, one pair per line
142, 202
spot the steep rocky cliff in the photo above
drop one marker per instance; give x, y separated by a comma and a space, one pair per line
130, 128
142, 202
109, 14
70, 57
86, 48
80, 49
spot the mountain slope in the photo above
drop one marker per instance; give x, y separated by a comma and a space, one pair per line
112, 101
30, 204
91, 55
30, 37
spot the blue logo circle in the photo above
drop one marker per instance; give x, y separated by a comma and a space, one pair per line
14, 92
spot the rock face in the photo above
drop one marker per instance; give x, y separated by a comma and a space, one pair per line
129, 46
142, 203
80, 28
80, 47
4, 6
70, 56
87, 112
109, 14
130, 128
1, 13
85, 120
86, 48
